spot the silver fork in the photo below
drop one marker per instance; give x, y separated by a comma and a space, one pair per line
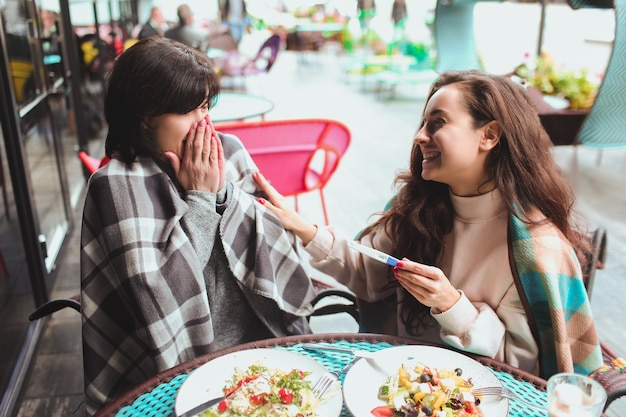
329, 380
506, 393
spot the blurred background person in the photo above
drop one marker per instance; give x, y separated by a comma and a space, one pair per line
398, 12
186, 32
366, 9
399, 17
155, 26
234, 14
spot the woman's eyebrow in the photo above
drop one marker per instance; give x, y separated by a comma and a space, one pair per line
436, 112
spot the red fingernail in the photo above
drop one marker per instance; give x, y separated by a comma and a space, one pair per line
395, 270
261, 201
399, 265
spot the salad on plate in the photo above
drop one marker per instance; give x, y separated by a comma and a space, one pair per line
260, 391
421, 391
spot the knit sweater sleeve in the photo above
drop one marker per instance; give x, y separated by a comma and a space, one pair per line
502, 333
369, 279
202, 220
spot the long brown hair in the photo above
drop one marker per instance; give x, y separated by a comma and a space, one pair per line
521, 166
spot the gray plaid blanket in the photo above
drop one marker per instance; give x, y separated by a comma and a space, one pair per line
144, 301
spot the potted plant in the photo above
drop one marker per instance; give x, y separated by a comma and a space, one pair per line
574, 86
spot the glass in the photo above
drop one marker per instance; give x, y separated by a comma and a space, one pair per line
574, 395
17, 29
46, 185
16, 295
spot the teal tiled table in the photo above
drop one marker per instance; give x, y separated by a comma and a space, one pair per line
156, 397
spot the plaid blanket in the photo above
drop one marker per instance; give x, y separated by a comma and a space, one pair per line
144, 301
556, 299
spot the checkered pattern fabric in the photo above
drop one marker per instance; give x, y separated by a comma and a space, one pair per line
144, 301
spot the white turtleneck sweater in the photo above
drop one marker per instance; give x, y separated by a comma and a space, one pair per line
489, 318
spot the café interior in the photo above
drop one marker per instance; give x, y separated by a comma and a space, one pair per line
297, 60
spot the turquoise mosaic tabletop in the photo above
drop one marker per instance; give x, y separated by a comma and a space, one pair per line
160, 401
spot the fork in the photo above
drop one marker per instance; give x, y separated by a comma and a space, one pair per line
506, 393
330, 379
324, 384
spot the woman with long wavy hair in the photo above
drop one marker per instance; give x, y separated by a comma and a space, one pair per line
484, 228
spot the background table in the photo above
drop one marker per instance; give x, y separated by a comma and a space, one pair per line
156, 397
236, 106
562, 125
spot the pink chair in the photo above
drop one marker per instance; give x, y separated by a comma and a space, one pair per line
91, 163
296, 156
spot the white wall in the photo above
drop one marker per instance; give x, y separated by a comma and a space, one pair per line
575, 39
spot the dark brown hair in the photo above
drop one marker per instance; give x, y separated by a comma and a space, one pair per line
155, 76
521, 166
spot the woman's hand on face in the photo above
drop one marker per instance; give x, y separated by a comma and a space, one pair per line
201, 166
428, 284
287, 215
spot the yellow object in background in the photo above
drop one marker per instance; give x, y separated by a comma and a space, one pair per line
90, 52
130, 42
20, 72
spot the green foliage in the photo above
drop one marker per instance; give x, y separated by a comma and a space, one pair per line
418, 50
574, 86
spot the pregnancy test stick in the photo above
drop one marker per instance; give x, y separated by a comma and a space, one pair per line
373, 253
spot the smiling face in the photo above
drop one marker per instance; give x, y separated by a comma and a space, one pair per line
453, 150
171, 129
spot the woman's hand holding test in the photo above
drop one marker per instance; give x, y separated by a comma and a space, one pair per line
201, 164
428, 284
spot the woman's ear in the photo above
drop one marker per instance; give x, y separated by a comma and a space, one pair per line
491, 135
145, 124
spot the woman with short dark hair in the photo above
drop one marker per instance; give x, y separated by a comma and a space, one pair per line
177, 257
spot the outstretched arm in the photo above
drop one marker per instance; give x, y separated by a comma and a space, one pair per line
277, 204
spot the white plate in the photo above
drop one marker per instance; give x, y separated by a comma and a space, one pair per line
360, 386
208, 380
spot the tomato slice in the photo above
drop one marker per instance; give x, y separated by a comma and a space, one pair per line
286, 395
222, 406
250, 378
383, 411
258, 399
